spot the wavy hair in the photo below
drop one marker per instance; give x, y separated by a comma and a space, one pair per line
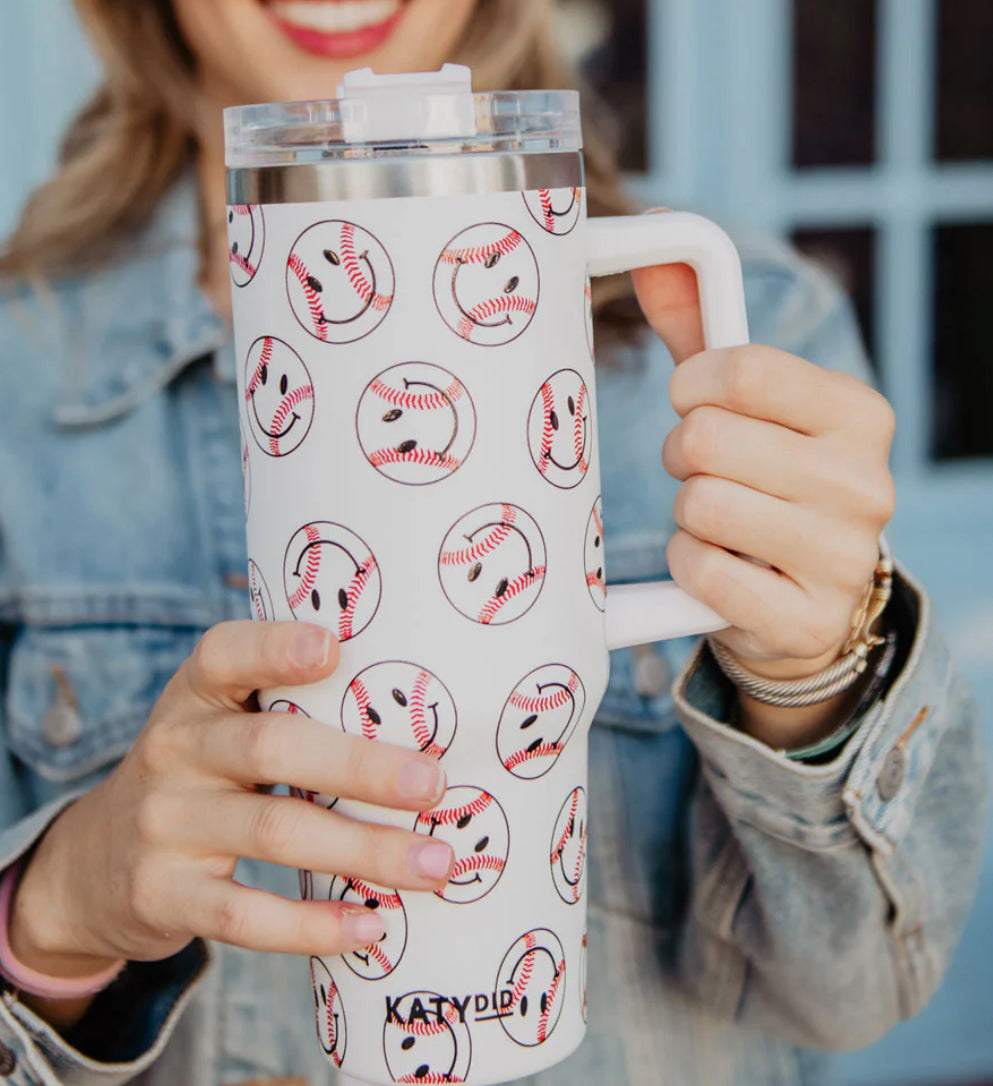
128, 144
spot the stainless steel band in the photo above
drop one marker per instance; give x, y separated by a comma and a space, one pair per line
382, 178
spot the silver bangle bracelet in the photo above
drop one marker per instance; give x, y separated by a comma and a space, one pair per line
791, 693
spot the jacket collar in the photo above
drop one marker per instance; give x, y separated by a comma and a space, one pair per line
131, 327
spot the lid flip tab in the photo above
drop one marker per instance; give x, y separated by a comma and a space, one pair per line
411, 107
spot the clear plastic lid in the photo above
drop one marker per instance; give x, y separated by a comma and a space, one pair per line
419, 113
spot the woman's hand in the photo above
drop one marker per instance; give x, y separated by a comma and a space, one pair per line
143, 863
779, 460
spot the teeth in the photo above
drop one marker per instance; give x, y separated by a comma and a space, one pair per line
335, 16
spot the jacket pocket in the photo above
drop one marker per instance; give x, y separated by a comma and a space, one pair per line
77, 697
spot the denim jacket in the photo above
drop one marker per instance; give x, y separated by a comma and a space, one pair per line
745, 909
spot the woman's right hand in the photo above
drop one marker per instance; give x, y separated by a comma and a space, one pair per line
144, 862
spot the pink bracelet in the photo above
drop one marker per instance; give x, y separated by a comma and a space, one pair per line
29, 980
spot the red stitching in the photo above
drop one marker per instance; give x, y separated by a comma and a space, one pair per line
552, 991
476, 862
579, 435
376, 952
431, 1077
449, 816
547, 703
547, 433
518, 585
243, 262
332, 992
598, 521
265, 357
388, 899
426, 457
299, 269
242, 209
486, 545
505, 303
543, 751
479, 254
432, 1029
564, 837
354, 592
545, 196
527, 968
361, 695
418, 724
417, 401
306, 585
594, 580
361, 285
292, 399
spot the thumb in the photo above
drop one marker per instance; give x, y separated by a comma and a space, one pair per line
669, 297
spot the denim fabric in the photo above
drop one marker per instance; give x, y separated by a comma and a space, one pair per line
744, 909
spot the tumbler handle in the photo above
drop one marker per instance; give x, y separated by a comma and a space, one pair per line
639, 614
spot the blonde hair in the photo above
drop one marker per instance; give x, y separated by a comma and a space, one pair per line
129, 143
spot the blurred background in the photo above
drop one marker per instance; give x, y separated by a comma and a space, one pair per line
863, 131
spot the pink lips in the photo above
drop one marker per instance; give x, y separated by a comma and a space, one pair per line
340, 44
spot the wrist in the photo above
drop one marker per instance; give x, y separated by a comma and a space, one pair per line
43, 934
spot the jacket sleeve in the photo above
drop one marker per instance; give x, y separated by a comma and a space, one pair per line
826, 900
130, 1023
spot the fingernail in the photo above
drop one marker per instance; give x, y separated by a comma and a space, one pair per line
311, 647
362, 926
420, 782
432, 860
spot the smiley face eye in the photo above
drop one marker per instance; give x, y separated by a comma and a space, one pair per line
572, 827
263, 375
400, 697
315, 600
407, 1044
512, 285
482, 843
342, 599
572, 405
373, 716
230, 216
492, 260
596, 542
422, 1072
406, 446
463, 821
392, 416
502, 588
284, 384
372, 902
529, 721
524, 1006
324, 994
331, 257
315, 284
475, 571
234, 248
553, 420
544, 1002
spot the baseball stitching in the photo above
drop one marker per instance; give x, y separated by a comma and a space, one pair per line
354, 593
387, 899
527, 968
504, 303
237, 258
544, 750
314, 304
520, 584
361, 285
549, 1002
418, 401
547, 431
450, 816
379, 956
579, 430
362, 699
545, 198
545, 704
292, 399
424, 457
313, 567
418, 719
561, 844
478, 862
332, 1022
265, 357
486, 545
479, 254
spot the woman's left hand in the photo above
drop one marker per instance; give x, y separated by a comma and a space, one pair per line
779, 460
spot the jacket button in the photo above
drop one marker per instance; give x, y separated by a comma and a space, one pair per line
8, 1061
892, 775
61, 726
651, 672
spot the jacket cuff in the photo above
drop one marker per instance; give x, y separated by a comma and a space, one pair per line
127, 1026
870, 787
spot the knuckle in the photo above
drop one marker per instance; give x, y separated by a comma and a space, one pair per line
233, 922
376, 846
143, 890
208, 656
157, 751
701, 437
262, 746
274, 827
151, 818
698, 508
746, 372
